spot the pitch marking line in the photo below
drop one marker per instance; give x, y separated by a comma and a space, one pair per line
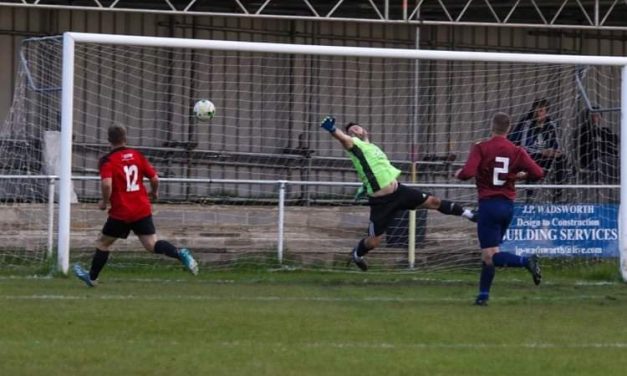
365, 281
288, 298
383, 346
362, 345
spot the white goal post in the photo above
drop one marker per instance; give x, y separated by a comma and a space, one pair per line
70, 39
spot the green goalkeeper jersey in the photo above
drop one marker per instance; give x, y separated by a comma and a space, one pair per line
372, 165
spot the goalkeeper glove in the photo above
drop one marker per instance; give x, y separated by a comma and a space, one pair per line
328, 123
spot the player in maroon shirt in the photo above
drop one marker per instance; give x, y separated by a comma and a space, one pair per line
122, 172
496, 164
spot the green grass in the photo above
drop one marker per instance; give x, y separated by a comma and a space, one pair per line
164, 322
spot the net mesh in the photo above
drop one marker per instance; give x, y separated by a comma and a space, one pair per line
423, 114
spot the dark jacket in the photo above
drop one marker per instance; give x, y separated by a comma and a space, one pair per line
595, 142
535, 139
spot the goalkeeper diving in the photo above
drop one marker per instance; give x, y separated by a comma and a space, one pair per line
386, 195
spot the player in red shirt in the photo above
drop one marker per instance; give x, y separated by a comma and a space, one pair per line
122, 172
496, 164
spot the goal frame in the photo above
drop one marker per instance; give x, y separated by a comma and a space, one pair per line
67, 100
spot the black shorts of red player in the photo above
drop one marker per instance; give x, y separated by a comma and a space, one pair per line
116, 228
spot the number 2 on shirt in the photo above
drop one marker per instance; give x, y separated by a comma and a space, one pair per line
132, 173
502, 169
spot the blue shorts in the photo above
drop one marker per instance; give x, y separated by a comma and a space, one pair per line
495, 215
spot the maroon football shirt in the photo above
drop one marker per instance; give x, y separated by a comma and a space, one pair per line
494, 164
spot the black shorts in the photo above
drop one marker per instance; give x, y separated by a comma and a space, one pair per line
384, 208
116, 228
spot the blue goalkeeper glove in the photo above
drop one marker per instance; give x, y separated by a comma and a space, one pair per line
328, 123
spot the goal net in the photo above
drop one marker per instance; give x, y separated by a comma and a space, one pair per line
262, 184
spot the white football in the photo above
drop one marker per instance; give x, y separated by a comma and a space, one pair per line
204, 109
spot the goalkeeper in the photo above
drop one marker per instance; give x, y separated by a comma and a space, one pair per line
386, 195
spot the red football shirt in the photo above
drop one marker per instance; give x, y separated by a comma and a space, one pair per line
127, 168
494, 164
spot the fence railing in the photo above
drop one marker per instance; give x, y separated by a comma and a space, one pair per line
281, 195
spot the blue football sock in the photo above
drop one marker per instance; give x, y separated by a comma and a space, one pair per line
509, 259
485, 281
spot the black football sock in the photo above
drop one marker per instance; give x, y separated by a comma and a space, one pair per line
450, 208
97, 263
166, 248
361, 248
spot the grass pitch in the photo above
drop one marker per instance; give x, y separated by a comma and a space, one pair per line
165, 322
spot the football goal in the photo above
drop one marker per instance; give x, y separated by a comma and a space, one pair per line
261, 183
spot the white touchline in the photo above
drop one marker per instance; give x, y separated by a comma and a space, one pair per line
364, 283
349, 345
286, 298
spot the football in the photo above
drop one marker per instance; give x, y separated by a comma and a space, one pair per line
204, 109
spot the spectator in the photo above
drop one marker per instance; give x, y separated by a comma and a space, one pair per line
597, 148
537, 134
